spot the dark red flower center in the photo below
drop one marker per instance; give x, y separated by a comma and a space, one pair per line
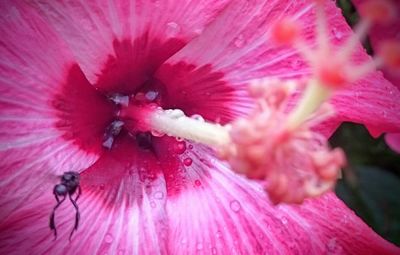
88, 116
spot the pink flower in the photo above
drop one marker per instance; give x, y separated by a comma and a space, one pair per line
64, 64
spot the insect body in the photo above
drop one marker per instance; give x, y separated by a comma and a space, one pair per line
68, 186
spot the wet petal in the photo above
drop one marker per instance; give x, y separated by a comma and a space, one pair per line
34, 63
122, 210
224, 213
381, 32
92, 29
393, 140
244, 51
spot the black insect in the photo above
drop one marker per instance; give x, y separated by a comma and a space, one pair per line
68, 186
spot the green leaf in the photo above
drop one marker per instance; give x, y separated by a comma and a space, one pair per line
374, 194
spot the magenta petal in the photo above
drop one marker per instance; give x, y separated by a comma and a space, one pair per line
226, 214
219, 213
378, 34
393, 140
244, 51
372, 102
122, 211
33, 65
90, 28
382, 32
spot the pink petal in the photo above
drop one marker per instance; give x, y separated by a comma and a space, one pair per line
118, 217
244, 51
93, 29
34, 62
393, 140
219, 213
226, 214
378, 34
381, 32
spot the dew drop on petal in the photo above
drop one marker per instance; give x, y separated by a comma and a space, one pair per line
235, 206
151, 95
214, 250
102, 186
337, 33
172, 29
197, 182
108, 238
159, 195
187, 161
180, 147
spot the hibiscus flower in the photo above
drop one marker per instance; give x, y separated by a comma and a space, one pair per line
68, 68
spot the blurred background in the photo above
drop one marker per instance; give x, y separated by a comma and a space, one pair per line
370, 184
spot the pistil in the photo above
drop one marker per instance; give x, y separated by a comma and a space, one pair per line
173, 122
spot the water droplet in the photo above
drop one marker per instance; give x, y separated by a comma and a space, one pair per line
176, 113
153, 204
187, 161
284, 220
197, 182
197, 117
337, 34
214, 250
157, 133
172, 29
199, 246
345, 219
190, 146
179, 139
219, 234
102, 186
235, 206
151, 95
198, 31
108, 238
159, 195
180, 147
239, 41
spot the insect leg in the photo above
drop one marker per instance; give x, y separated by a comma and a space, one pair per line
52, 223
77, 215
79, 193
